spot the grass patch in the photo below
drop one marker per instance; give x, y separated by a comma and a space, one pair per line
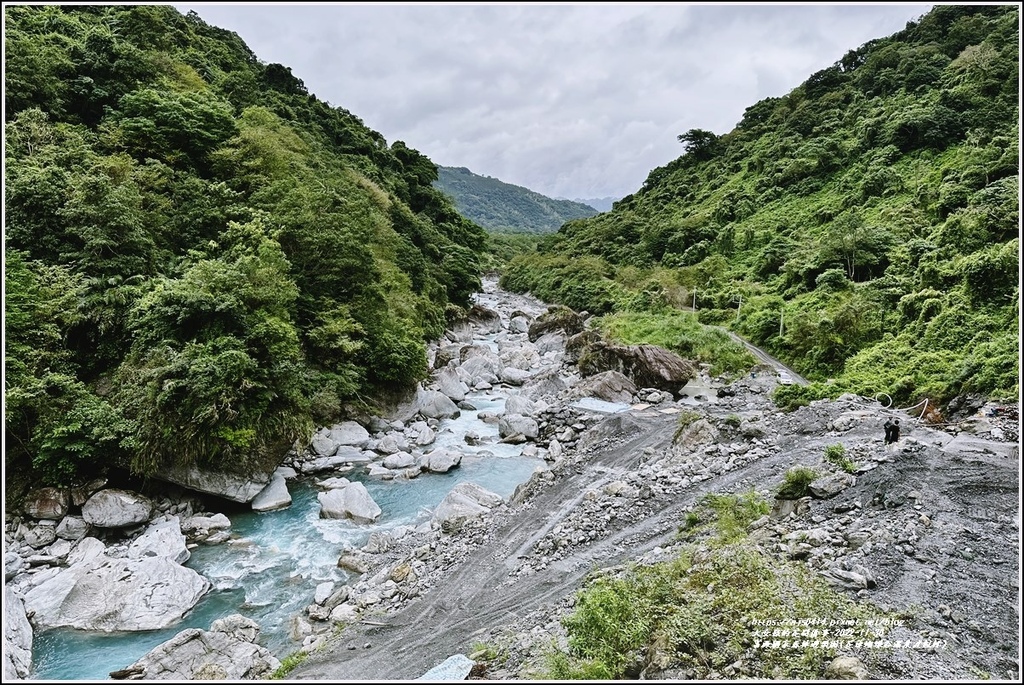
288, 664
836, 454
726, 516
686, 419
684, 335
794, 485
699, 612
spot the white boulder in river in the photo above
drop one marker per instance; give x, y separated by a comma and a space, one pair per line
163, 538
274, 496
99, 592
349, 501
228, 651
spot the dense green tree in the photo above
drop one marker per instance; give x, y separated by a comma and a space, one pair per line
870, 217
213, 258
699, 144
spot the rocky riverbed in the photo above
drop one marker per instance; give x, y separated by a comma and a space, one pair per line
927, 528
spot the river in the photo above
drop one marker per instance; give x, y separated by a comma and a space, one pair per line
271, 567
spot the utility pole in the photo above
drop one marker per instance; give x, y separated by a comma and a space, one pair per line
781, 312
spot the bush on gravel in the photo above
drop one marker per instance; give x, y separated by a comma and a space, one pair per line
700, 613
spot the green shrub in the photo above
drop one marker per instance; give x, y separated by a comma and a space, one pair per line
683, 334
288, 664
685, 420
728, 516
794, 485
836, 454
791, 397
700, 610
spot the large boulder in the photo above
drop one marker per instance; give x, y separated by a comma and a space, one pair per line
351, 501
831, 485
440, 460
46, 503
517, 404
550, 342
577, 344
514, 376
610, 386
546, 384
455, 667
323, 445
449, 384
17, 638
391, 443
232, 486
73, 528
273, 497
425, 436
343, 456
511, 425
163, 538
480, 365
556, 318
847, 668
465, 501
445, 354
228, 651
487, 320
41, 534
435, 405
201, 528
648, 366
350, 433
398, 460
523, 357
102, 593
467, 352
519, 324
114, 508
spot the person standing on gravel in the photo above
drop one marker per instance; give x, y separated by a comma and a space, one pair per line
892, 431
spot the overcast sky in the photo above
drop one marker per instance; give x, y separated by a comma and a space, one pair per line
569, 100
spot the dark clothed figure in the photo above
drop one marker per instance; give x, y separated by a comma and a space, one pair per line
892, 431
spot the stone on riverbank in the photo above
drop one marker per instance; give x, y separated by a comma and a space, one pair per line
107, 594
46, 503
228, 651
17, 638
465, 501
113, 508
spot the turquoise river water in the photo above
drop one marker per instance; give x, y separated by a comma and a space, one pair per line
270, 569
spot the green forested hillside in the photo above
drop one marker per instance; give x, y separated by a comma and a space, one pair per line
202, 258
499, 206
864, 227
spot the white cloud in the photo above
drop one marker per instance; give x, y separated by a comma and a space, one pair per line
580, 100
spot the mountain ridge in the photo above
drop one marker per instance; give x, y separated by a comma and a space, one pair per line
506, 207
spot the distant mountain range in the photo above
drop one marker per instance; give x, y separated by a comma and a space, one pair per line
503, 207
601, 204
